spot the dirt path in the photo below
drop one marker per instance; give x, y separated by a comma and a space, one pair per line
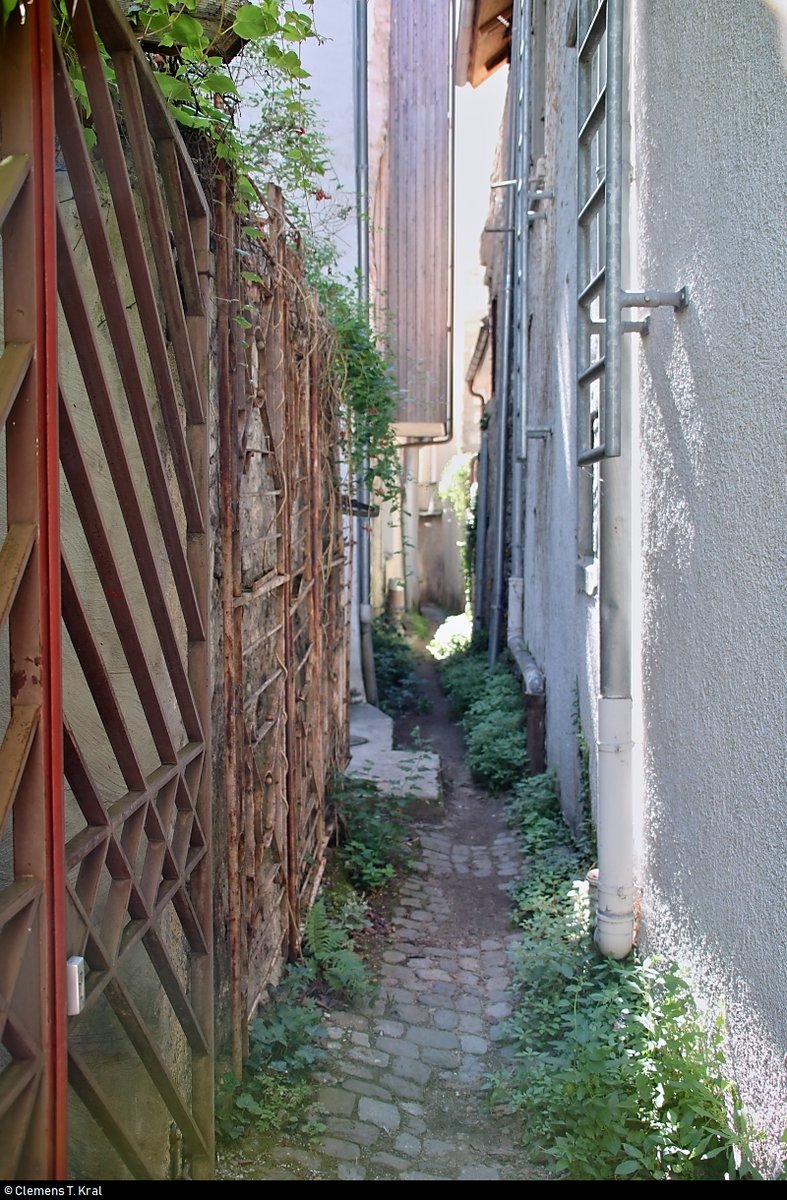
401, 1093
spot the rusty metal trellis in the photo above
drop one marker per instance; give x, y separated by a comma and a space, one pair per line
290, 585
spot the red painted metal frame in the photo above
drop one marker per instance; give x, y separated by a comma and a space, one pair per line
39, 16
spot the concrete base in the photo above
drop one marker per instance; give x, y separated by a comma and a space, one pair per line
413, 773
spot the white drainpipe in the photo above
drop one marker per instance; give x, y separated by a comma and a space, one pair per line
532, 677
615, 916
615, 913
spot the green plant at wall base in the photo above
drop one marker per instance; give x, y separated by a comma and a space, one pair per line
330, 945
495, 730
583, 753
373, 833
616, 1073
283, 1052
459, 678
399, 687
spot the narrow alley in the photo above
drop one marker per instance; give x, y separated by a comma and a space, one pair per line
402, 1094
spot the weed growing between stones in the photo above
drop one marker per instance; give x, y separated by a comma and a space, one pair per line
616, 1075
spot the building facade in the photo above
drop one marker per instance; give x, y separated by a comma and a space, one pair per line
633, 522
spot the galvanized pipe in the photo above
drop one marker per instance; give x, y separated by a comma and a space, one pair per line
503, 389
362, 531
613, 228
615, 915
480, 531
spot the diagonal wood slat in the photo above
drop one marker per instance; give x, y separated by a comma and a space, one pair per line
98, 1105
114, 33
158, 227
14, 364
99, 682
16, 1122
104, 269
19, 1040
14, 170
14, 754
176, 204
139, 1035
18, 895
14, 557
125, 208
190, 921
98, 391
98, 540
174, 989
14, 941
13, 1080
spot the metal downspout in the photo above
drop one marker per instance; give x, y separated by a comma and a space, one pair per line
615, 919
362, 531
533, 678
480, 526
503, 389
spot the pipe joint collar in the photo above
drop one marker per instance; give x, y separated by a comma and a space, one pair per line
365, 614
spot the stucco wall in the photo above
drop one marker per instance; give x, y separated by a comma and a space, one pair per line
705, 178
710, 97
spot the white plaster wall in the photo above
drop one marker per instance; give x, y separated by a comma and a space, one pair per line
331, 65
705, 405
709, 98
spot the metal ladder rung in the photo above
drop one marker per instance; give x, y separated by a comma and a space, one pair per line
594, 119
594, 371
590, 292
593, 204
596, 30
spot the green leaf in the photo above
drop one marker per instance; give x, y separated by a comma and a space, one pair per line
174, 89
188, 31
627, 1167
252, 22
191, 120
252, 277
218, 81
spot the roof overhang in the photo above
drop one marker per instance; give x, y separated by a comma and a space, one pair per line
484, 39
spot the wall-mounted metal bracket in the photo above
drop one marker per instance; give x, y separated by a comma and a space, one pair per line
651, 299
540, 215
535, 431
641, 327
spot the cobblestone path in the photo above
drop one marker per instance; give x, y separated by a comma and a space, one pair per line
401, 1093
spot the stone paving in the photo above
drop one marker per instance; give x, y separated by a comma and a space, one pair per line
401, 1093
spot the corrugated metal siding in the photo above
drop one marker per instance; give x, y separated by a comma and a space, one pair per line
418, 218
